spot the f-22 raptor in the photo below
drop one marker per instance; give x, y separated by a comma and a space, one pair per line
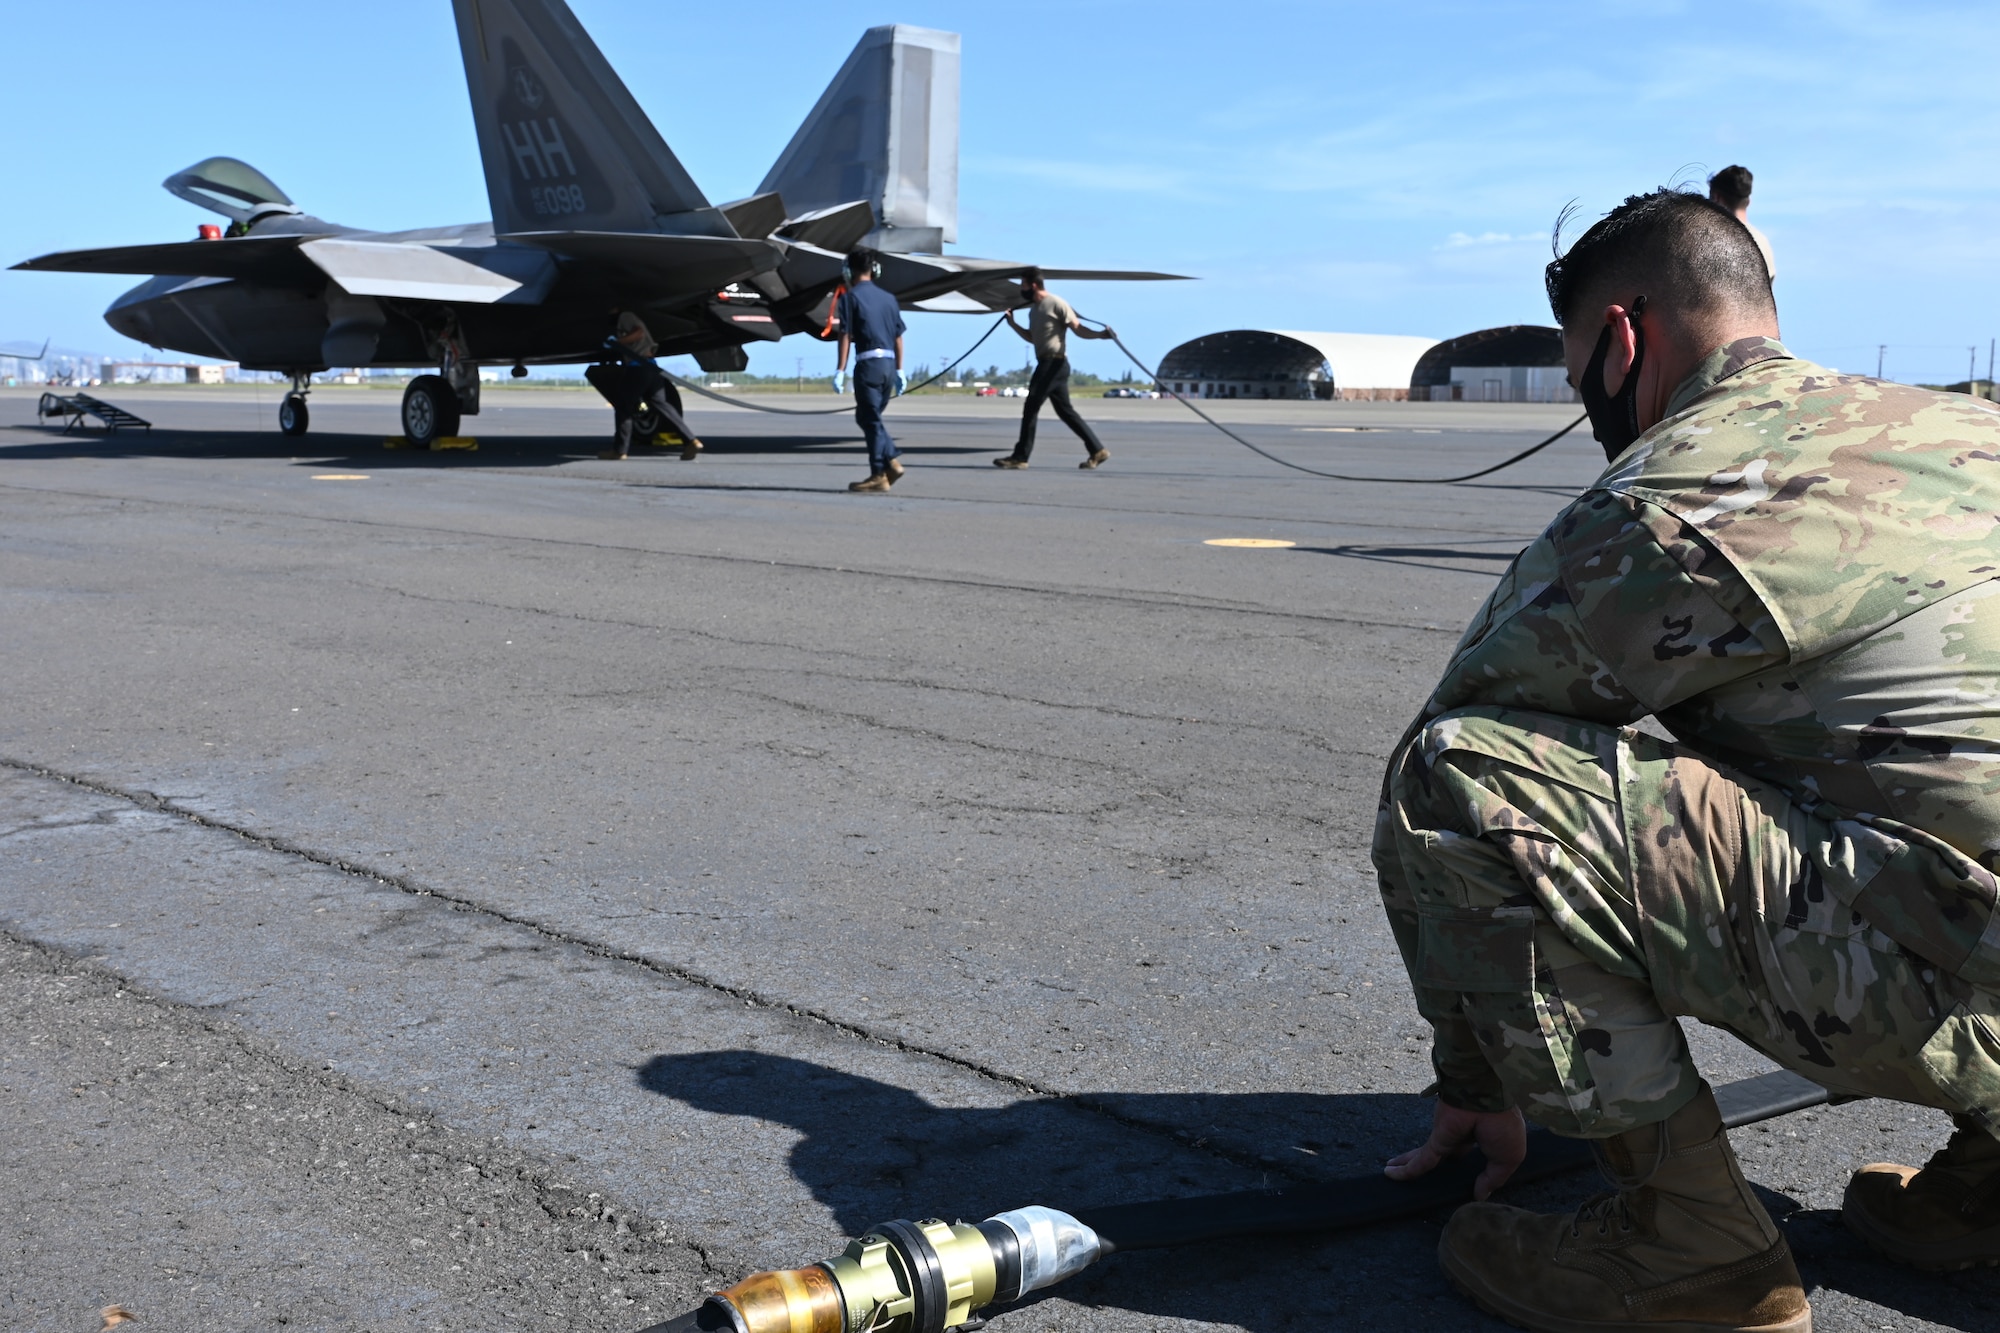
591, 211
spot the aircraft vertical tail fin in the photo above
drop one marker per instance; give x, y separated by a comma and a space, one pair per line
885, 131
564, 144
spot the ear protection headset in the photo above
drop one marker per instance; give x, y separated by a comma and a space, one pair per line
847, 272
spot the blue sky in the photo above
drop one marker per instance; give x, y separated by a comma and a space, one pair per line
1355, 167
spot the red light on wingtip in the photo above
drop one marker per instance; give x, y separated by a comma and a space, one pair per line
210, 232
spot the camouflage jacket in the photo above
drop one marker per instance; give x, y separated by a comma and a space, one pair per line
1794, 571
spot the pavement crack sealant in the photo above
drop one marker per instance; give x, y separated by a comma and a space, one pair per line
152, 802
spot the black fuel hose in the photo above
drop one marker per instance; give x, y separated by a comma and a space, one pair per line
706, 392
1364, 1200
1154, 376
1335, 1205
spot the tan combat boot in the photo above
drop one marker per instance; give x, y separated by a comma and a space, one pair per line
1944, 1217
1683, 1246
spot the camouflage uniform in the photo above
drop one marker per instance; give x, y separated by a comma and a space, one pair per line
1794, 572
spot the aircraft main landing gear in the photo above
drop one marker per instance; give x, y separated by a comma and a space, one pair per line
293, 418
430, 410
648, 423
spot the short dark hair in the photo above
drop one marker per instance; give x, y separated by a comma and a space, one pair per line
1031, 277
1730, 186
861, 263
1673, 247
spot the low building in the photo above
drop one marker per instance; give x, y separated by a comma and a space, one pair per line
162, 372
1285, 363
1514, 363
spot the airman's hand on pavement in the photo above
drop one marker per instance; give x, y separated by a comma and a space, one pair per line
1501, 1135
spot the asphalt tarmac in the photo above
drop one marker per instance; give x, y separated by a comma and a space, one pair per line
512, 890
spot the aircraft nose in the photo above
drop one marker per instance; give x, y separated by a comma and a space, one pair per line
132, 314
134, 321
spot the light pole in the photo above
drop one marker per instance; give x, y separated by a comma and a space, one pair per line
1881, 350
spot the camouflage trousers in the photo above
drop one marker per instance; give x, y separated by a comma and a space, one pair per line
1561, 891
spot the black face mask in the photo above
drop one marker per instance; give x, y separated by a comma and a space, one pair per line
1614, 418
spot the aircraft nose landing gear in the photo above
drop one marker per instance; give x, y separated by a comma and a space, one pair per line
293, 418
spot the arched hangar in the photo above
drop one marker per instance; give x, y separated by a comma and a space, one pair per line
1286, 363
1514, 363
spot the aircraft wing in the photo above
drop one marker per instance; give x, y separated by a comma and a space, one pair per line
657, 265
479, 275
270, 259
474, 274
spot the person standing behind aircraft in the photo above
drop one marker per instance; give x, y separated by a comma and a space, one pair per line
1050, 320
871, 325
1730, 188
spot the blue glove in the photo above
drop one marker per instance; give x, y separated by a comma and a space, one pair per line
840, 381
902, 384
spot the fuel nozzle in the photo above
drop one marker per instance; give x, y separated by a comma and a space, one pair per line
913, 1277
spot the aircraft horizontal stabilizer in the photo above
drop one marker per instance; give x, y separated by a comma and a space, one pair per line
269, 259
956, 284
1110, 275
955, 303
476, 275
837, 227
659, 266
918, 279
755, 217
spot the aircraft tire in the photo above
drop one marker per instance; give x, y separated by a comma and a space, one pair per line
430, 410
293, 418
646, 422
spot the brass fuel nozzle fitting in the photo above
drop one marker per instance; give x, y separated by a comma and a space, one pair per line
915, 1277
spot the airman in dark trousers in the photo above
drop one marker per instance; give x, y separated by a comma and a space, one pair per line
633, 382
871, 326
1050, 322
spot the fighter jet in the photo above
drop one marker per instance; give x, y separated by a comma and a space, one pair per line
592, 212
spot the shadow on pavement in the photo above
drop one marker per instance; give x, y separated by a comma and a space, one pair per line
870, 1151
327, 448
1832, 1258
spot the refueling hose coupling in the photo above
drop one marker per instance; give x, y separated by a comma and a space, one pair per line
914, 1277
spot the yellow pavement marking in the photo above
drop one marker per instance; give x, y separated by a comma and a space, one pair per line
1257, 543
341, 476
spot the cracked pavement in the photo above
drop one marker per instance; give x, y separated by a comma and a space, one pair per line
615, 878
